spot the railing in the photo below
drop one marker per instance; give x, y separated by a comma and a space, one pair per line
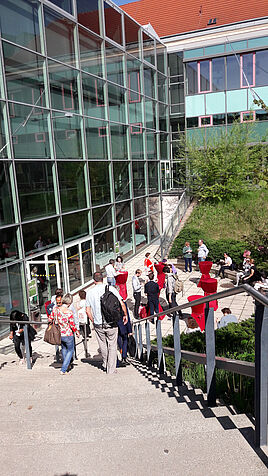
259, 370
172, 227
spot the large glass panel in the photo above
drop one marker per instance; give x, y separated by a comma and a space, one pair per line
247, 65
177, 93
114, 64
151, 145
40, 235
72, 185
121, 180
164, 147
132, 36
149, 82
154, 225
35, 188
11, 294
19, 22
233, 72
136, 138
86, 249
117, 108
261, 70
29, 132
191, 77
8, 245
160, 56
133, 76
59, 36
57, 256
150, 115
64, 4
162, 87
205, 75
67, 136
93, 94
125, 239
218, 74
140, 207
138, 178
154, 204
175, 63
135, 108
148, 48
153, 176
88, 14
99, 182
24, 75
74, 268
63, 87
102, 218
90, 52
122, 212
6, 209
3, 141
119, 141
96, 136
141, 233
113, 23
75, 225
104, 248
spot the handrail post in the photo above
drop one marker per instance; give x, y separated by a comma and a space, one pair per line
210, 356
177, 348
140, 354
136, 339
27, 346
160, 354
148, 342
261, 374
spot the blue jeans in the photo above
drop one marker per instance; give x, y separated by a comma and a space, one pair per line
153, 306
201, 259
111, 281
67, 350
188, 262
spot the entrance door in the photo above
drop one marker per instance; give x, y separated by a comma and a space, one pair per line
43, 277
79, 263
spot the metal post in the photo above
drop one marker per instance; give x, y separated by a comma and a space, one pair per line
140, 342
85, 340
161, 364
177, 348
148, 342
136, 339
210, 353
261, 374
27, 346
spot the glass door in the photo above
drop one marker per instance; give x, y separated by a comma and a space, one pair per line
79, 257
41, 275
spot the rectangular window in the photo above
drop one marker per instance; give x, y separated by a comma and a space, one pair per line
136, 128
134, 83
72, 186
121, 180
113, 23
261, 68
218, 74
59, 37
204, 76
88, 14
247, 116
99, 183
93, 95
90, 52
191, 77
102, 218
205, 121
192, 122
247, 71
96, 137
233, 73
219, 119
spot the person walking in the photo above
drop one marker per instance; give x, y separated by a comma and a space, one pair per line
82, 314
170, 285
105, 333
152, 290
188, 257
148, 265
17, 334
136, 285
111, 272
62, 315
202, 251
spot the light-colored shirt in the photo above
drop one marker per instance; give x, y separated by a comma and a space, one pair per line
110, 271
82, 315
93, 300
202, 251
136, 284
227, 319
74, 311
228, 261
65, 320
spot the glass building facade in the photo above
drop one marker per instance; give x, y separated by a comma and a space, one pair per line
84, 134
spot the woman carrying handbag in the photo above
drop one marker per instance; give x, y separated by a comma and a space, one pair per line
65, 319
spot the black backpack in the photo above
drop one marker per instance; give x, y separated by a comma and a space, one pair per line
111, 308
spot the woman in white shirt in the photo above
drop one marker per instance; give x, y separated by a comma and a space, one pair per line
119, 264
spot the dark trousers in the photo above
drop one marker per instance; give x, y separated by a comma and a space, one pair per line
122, 344
173, 302
18, 341
137, 298
223, 268
153, 306
188, 262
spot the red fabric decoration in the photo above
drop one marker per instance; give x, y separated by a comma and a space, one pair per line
46, 305
121, 280
209, 287
198, 312
160, 275
145, 312
205, 267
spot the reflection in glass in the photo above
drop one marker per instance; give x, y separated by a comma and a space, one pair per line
63, 87
135, 108
233, 73
88, 14
131, 36
247, 65
151, 145
164, 147
218, 74
154, 225
6, 209
75, 225
122, 211
124, 236
149, 82
162, 87
24, 75
67, 136
104, 248
163, 116
141, 233
8, 245
117, 109
86, 249
177, 93
93, 94
148, 48
90, 52
121, 180
205, 75
191, 77
99, 182
113, 23
153, 176
119, 142
175, 63
140, 207
3, 140
11, 294
96, 136
154, 204
40, 235
150, 113
136, 138
114, 64
261, 72
57, 256
161, 58
31, 140
102, 218
36, 190
19, 22
138, 178
59, 36
72, 185
64, 4
74, 268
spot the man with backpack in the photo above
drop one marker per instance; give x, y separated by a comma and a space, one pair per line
173, 287
105, 307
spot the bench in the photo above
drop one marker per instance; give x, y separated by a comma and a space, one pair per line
214, 270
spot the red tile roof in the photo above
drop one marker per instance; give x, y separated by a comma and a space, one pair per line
169, 17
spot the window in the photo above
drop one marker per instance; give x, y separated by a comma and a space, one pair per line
67, 135
149, 82
64, 4
138, 178
75, 225
6, 209
104, 248
90, 52
261, 115
96, 136
59, 37
247, 73
102, 218
93, 95
63, 87
192, 122
153, 176
72, 185
233, 72
88, 14
233, 117
123, 213
205, 121
136, 138
132, 36
46, 229
99, 182
247, 116
218, 74
151, 145
9, 250
261, 68
191, 77
117, 109
148, 48
121, 180
113, 23
204, 76
119, 141
219, 119
124, 236
114, 64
